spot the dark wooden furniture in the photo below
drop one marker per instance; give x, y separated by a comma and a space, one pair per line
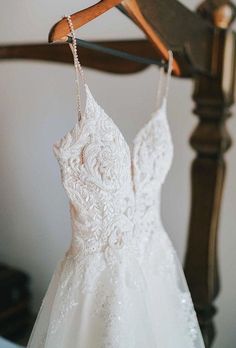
14, 302
204, 48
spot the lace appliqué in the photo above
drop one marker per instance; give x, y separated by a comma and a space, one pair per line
114, 203
96, 164
95, 174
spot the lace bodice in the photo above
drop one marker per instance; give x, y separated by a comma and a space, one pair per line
121, 266
112, 188
106, 183
95, 167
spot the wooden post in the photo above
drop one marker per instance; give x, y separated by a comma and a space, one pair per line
213, 97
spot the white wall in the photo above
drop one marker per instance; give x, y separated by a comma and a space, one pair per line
38, 107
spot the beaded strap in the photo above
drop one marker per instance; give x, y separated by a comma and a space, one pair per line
169, 71
78, 67
162, 91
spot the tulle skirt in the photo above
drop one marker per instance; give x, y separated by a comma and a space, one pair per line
130, 303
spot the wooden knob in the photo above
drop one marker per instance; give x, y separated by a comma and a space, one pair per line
222, 16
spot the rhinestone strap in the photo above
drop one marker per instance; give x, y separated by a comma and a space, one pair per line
164, 80
78, 67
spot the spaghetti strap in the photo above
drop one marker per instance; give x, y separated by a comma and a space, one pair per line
168, 75
78, 68
164, 80
160, 86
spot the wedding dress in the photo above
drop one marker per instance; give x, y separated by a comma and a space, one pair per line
120, 284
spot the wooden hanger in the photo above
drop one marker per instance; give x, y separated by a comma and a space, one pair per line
60, 30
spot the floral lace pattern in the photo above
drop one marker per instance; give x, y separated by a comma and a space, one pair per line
108, 282
115, 205
95, 168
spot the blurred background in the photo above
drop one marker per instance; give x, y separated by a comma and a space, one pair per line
38, 106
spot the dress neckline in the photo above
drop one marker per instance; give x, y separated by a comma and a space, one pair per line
80, 122
162, 94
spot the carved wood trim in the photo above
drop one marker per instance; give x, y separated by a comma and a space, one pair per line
213, 97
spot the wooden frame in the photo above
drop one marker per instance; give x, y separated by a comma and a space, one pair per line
203, 50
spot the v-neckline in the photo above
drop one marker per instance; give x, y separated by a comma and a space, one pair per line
79, 123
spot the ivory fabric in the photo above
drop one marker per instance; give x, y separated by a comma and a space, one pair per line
120, 284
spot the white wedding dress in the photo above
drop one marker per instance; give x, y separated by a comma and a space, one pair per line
120, 284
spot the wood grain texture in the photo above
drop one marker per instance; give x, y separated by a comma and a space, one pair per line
80, 18
187, 34
61, 53
61, 29
213, 97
